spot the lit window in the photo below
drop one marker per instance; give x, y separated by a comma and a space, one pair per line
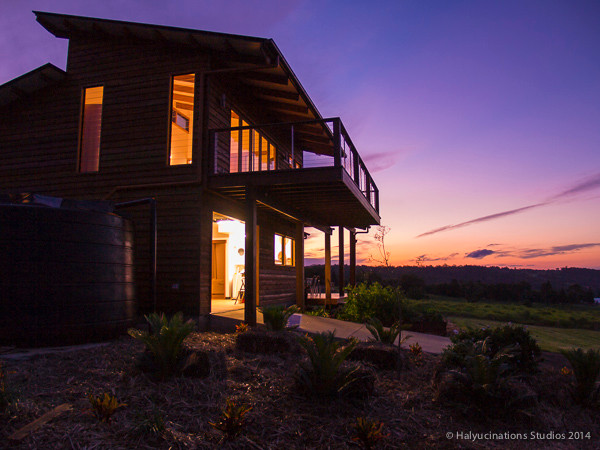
91, 125
182, 119
253, 153
284, 250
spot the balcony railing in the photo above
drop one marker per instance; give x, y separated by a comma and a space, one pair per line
290, 146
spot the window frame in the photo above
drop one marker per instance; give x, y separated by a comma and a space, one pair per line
170, 112
80, 137
283, 239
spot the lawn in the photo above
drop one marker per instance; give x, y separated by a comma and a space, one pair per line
561, 316
549, 338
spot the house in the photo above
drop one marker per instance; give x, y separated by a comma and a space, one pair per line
216, 128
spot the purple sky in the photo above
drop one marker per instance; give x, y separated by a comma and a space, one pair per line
479, 119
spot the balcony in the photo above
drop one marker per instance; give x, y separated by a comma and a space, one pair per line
309, 170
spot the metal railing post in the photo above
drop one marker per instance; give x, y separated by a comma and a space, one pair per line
336, 142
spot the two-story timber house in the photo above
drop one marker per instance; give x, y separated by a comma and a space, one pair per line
216, 128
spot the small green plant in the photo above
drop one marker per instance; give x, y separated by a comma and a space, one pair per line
367, 433
323, 375
416, 353
586, 368
150, 423
104, 406
319, 312
233, 419
381, 334
165, 341
241, 327
276, 317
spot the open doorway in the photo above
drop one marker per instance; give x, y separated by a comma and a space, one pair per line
228, 263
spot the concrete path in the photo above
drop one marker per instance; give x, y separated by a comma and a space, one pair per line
313, 324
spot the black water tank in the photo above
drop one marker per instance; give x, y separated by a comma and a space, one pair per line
66, 276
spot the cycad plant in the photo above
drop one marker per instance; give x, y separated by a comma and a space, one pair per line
586, 368
164, 341
381, 334
323, 374
276, 317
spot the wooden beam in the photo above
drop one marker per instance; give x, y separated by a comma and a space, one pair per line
251, 272
341, 260
352, 280
266, 77
183, 98
270, 92
327, 268
285, 106
299, 260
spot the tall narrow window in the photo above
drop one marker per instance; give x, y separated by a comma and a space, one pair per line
182, 119
250, 152
89, 152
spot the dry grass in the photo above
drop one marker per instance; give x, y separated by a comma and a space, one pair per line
279, 419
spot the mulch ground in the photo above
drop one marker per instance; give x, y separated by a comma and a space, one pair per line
280, 418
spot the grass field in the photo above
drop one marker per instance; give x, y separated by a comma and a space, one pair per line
549, 338
561, 316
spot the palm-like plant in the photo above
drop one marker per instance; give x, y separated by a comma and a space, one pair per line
276, 317
586, 368
382, 334
164, 341
323, 374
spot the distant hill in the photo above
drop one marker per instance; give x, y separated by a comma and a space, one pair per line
559, 278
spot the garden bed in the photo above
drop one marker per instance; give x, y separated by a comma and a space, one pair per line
280, 417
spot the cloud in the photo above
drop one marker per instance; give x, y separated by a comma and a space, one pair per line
588, 184
377, 162
482, 219
530, 253
480, 254
556, 250
426, 258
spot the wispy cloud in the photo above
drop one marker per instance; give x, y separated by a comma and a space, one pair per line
586, 185
530, 253
381, 160
482, 219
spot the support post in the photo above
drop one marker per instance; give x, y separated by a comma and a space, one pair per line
352, 280
299, 260
337, 143
327, 268
341, 261
251, 270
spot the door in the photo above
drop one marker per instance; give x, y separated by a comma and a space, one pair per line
218, 269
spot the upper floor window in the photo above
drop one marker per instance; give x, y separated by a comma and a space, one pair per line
250, 152
91, 125
182, 119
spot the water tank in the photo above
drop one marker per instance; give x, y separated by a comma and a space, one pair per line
66, 275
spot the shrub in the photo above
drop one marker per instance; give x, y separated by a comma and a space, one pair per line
367, 301
586, 369
276, 317
233, 419
381, 356
323, 375
260, 341
524, 348
164, 342
380, 334
367, 433
104, 406
484, 384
